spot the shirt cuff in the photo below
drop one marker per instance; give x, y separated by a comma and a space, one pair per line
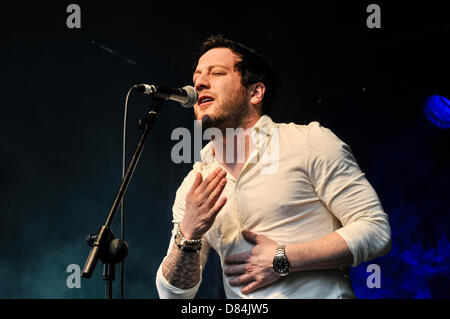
167, 291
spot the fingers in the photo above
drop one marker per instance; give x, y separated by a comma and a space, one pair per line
242, 274
252, 286
251, 282
203, 188
217, 173
197, 181
217, 207
211, 189
241, 280
210, 185
203, 203
250, 236
237, 270
214, 196
238, 258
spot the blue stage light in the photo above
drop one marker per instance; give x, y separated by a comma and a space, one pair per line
437, 110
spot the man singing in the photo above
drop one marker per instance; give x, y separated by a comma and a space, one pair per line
290, 231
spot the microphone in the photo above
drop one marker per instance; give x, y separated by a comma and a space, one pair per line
187, 96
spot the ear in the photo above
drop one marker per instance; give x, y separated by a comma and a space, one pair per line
257, 91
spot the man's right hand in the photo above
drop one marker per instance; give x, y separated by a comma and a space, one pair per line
203, 204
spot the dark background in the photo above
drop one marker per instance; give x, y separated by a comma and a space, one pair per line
62, 115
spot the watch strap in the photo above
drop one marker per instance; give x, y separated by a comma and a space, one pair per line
280, 252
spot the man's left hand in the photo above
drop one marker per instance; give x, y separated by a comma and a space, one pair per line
253, 269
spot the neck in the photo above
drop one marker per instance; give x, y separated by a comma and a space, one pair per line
233, 149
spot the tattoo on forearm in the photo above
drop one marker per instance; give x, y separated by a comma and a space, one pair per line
181, 269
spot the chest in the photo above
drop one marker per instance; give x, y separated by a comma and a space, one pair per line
272, 204
234, 169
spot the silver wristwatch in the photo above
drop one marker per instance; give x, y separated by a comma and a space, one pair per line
189, 245
280, 262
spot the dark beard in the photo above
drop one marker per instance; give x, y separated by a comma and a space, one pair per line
235, 112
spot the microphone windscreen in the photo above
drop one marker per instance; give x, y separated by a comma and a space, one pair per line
192, 96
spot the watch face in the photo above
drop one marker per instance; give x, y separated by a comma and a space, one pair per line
281, 265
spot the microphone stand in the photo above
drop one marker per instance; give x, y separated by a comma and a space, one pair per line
105, 245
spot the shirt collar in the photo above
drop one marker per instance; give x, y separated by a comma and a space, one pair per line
261, 131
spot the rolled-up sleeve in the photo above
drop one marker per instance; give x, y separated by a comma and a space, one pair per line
343, 188
168, 291
165, 289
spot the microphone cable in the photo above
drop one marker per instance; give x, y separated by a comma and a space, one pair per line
122, 208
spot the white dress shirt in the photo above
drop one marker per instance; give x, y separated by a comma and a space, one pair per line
299, 184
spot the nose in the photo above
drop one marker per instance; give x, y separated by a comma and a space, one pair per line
202, 83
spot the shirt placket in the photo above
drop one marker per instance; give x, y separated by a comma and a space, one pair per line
240, 204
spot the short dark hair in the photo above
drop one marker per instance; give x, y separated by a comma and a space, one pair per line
253, 67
